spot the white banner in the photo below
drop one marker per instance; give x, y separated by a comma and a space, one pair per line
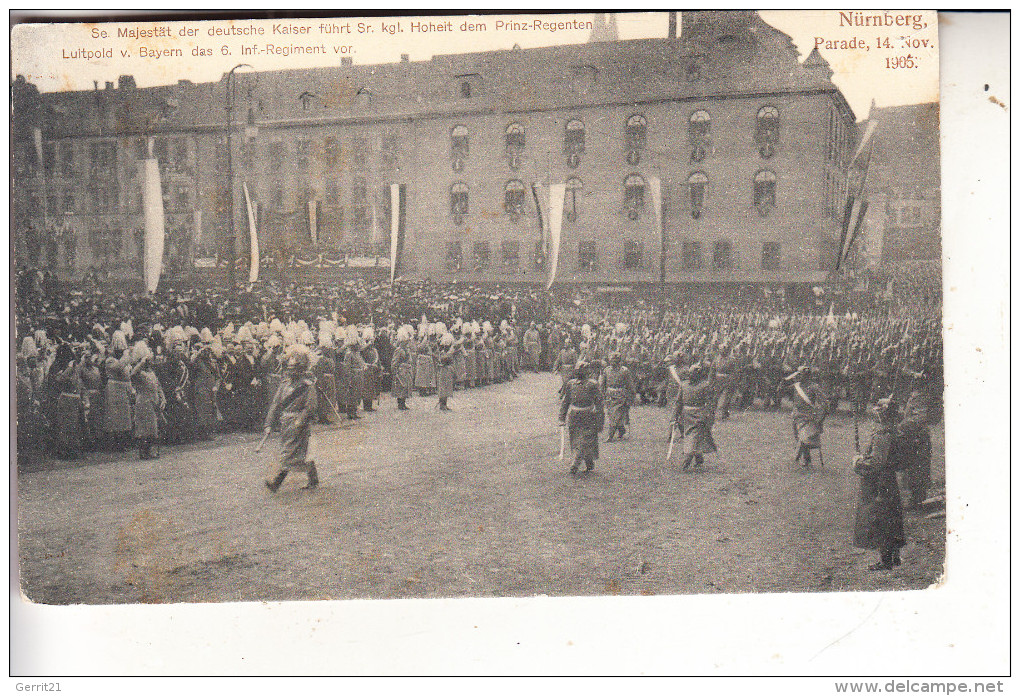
152, 203
394, 227
313, 223
253, 235
557, 193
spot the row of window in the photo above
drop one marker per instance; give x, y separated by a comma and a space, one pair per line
699, 133
691, 255
634, 195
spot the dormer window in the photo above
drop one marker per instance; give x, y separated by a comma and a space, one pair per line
467, 86
363, 97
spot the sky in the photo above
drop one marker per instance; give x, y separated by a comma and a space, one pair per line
60, 57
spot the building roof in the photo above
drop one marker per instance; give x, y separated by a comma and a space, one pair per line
906, 148
719, 54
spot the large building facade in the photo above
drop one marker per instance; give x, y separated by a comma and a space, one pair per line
749, 145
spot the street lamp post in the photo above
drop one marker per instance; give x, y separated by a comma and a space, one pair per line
228, 131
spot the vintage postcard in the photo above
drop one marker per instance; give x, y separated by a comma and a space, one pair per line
477, 306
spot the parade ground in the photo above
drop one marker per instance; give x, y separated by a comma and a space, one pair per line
468, 503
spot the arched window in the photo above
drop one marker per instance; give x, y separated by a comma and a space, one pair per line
513, 198
459, 201
458, 146
767, 130
698, 184
364, 97
574, 187
764, 191
515, 137
465, 89
699, 133
514, 144
634, 195
636, 134
573, 141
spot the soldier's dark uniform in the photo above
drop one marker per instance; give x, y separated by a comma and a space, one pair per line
582, 414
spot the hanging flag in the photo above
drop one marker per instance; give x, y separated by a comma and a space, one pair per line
313, 221
37, 135
856, 206
253, 269
152, 203
856, 231
557, 192
397, 193
196, 224
538, 213
375, 224
656, 186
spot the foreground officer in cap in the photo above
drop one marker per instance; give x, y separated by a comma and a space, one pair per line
809, 401
295, 406
581, 412
878, 522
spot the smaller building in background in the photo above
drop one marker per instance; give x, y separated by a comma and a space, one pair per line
903, 223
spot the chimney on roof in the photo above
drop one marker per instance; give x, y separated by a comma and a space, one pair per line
126, 82
346, 60
405, 57
109, 84
672, 25
604, 28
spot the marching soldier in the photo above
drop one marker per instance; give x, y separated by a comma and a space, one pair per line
878, 521
581, 413
694, 414
809, 401
294, 407
619, 392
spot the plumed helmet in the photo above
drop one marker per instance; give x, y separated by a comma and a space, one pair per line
40, 338
405, 333
228, 332
140, 351
276, 326
192, 332
274, 341
28, 348
325, 336
368, 333
127, 329
206, 335
447, 339
306, 338
340, 335
457, 324
351, 335
300, 354
487, 327
244, 335
174, 335
440, 328
118, 341
586, 330
217, 346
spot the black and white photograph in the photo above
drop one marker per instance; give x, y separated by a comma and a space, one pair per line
630, 304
